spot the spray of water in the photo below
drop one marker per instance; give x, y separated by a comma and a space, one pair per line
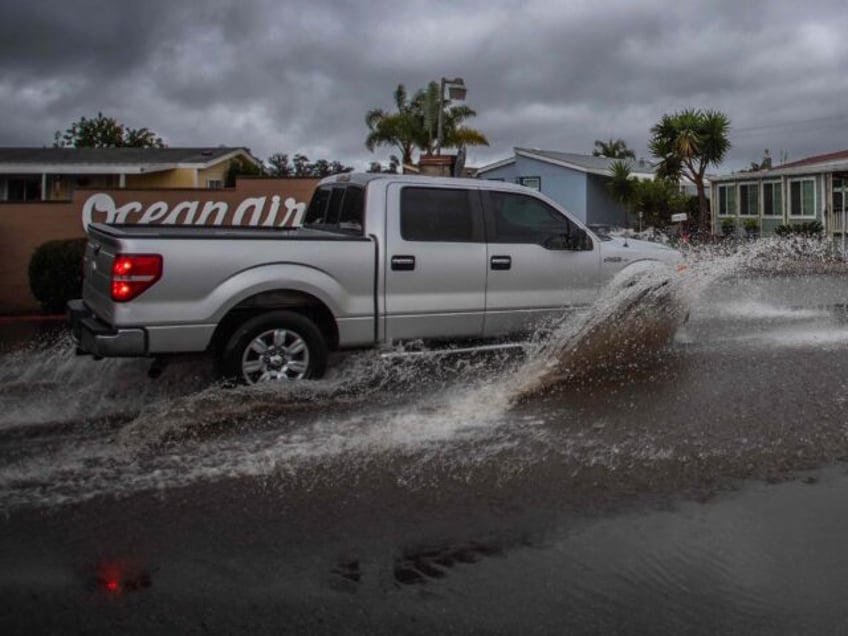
458, 412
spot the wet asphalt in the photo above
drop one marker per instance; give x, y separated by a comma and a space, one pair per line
699, 489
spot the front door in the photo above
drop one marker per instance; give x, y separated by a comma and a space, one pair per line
535, 275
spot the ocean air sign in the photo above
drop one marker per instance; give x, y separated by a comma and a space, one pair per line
261, 211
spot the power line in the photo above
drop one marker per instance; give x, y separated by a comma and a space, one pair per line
824, 121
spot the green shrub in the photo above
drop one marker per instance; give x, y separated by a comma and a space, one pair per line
55, 273
810, 228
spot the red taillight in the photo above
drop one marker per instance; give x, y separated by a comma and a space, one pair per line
133, 273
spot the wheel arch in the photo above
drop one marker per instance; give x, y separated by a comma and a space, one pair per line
293, 300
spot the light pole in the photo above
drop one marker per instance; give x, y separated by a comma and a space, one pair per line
456, 90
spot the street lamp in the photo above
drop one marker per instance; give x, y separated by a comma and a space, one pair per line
456, 90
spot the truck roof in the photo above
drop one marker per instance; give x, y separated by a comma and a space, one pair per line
363, 178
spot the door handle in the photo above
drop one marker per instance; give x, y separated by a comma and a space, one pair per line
501, 262
403, 263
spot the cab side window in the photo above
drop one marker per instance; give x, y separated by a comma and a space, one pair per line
337, 208
518, 218
436, 214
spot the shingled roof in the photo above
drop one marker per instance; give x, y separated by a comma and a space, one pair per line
68, 157
582, 163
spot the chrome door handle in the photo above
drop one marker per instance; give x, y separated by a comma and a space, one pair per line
500, 262
403, 263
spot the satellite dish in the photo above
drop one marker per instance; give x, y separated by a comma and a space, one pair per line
459, 163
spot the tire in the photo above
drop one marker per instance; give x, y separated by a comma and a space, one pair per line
277, 346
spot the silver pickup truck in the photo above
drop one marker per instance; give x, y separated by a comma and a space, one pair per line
380, 259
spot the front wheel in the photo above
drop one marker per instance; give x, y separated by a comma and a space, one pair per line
275, 346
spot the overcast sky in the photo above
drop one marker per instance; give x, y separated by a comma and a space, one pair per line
287, 76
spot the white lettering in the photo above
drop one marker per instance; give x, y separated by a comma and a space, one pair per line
257, 203
218, 207
272, 212
186, 212
189, 207
155, 212
294, 213
98, 203
125, 210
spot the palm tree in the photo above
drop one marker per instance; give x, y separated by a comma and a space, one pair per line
613, 149
622, 186
393, 129
686, 143
415, 124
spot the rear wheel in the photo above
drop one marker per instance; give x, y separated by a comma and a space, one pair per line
276, 346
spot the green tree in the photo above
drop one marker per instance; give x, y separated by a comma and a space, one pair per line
622, 186
686, 143
376, 167
414, 125
279, 165
657, 199
105, 132
765, 164
613, 149
241, 167
393, 129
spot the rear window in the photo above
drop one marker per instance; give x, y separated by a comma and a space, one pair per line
337, 208
436, 214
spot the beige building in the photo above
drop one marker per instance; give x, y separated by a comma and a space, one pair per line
54, 174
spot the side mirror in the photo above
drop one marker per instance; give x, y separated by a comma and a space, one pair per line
580, 240
577, 241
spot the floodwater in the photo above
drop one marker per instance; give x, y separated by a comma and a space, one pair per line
602, 482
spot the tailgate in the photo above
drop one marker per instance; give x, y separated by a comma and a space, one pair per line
97, 274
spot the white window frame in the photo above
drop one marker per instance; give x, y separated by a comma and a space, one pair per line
777, 186
214, 184
534, 183
812, 215
729, 187
739, 186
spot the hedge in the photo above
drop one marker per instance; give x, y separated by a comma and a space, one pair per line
810, 228
55, 273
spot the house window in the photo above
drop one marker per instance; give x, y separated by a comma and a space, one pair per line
772, 199
840, 202
23, 189
749, 199
214, 184
727, 200
802, 197
534, 183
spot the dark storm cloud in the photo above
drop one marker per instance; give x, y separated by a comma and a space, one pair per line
299, 77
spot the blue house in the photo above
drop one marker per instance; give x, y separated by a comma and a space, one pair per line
577, 182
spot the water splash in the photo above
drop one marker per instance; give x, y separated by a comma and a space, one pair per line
414, 412
48, 384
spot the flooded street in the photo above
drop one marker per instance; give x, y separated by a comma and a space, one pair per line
696, 488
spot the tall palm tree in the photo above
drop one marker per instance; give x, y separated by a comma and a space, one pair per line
613, 149
686, 143
415, 124
393, 129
